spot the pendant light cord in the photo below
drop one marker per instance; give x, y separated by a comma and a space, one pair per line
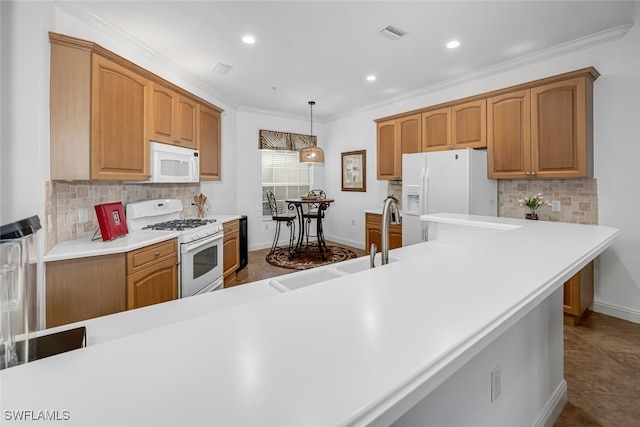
311, 104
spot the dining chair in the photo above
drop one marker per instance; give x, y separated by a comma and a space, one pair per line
279, 218
314, 213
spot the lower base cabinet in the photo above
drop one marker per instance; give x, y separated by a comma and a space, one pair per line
373, 233
83, 288
578, 295
231, 248
152, 274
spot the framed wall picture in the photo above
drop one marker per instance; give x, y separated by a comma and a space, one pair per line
354, 171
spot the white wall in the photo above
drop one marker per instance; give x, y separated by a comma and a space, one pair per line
249, 170
616, 130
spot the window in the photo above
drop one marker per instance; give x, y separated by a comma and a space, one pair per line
283, 174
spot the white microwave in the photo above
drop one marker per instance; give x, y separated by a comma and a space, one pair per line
170, 163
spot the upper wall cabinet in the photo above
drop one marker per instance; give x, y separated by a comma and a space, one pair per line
105, 110
209, 138
458, 126
395, 138
98, 117
173, 118
539, 129
543, 132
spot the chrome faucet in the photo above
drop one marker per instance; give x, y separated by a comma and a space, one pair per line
390, 207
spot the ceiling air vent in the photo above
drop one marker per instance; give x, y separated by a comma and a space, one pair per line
392, 33
222, 68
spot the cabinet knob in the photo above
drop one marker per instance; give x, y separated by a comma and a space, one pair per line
177, 141
533, 173
157, 254
528, 173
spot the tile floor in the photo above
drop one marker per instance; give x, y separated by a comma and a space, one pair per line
601, 366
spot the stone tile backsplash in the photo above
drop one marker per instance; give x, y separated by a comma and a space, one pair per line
578, 198
63, 199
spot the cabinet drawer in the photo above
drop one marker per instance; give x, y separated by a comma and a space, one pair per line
149, 255
231, 226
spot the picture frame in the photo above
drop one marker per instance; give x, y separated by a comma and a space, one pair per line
354, 171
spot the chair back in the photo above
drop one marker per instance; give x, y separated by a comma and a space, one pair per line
313, 207
273, 206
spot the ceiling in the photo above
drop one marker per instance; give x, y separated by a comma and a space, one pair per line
324, 50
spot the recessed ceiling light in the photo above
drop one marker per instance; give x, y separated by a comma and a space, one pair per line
371, 78
453, 44
249, 39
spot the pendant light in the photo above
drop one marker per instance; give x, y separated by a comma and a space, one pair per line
311, 154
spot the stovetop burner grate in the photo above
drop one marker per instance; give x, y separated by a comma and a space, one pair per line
179, 224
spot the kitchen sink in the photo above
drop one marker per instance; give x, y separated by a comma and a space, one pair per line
294, 281
361, 264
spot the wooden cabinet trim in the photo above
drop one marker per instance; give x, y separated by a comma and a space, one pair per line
149, 255
64, 40
589, 72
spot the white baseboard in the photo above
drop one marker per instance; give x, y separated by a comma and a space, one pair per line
554, 407
616, 311
352, 243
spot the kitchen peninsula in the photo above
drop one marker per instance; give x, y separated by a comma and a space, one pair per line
416, 339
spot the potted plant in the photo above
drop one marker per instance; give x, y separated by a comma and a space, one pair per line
533, 203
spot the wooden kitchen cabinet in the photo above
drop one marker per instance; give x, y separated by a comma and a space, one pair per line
231, 248
99, 111
395, 138
543, 132
83, 288
209, 139
104, 110
152, 274
578, 295
173, 117
459, 126
373, 233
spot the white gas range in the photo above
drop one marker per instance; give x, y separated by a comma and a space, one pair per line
200, 242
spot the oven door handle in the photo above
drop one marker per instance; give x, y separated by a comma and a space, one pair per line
206, 241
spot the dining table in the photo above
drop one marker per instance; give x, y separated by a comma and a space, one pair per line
300, 204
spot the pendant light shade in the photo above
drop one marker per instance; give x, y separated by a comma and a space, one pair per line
311, 154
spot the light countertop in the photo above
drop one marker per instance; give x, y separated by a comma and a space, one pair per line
341, 352
82, 248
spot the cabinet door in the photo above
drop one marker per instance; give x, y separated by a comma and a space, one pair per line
231, 248
186, 133
388, 151
410, 136
395, 236
436, 130
559, 129
155, 284
119, 112
509, 140
84, 288
469, 124
163, 114
210, 143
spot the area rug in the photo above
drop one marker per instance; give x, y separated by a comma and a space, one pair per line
307, 259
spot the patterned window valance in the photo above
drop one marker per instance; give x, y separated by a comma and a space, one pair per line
274, 140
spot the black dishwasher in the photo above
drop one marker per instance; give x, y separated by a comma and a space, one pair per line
244, 249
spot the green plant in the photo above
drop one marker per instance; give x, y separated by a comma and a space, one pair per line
534, 202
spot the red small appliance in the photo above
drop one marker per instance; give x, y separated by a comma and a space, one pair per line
111, 220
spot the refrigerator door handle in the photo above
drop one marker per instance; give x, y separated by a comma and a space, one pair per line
424, 184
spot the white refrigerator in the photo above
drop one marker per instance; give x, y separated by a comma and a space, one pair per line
452, 181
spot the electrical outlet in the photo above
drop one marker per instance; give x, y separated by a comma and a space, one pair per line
83, 215
555, 205
266, 226
496, 383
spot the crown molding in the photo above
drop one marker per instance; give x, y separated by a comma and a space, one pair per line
582, 43
125, 39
